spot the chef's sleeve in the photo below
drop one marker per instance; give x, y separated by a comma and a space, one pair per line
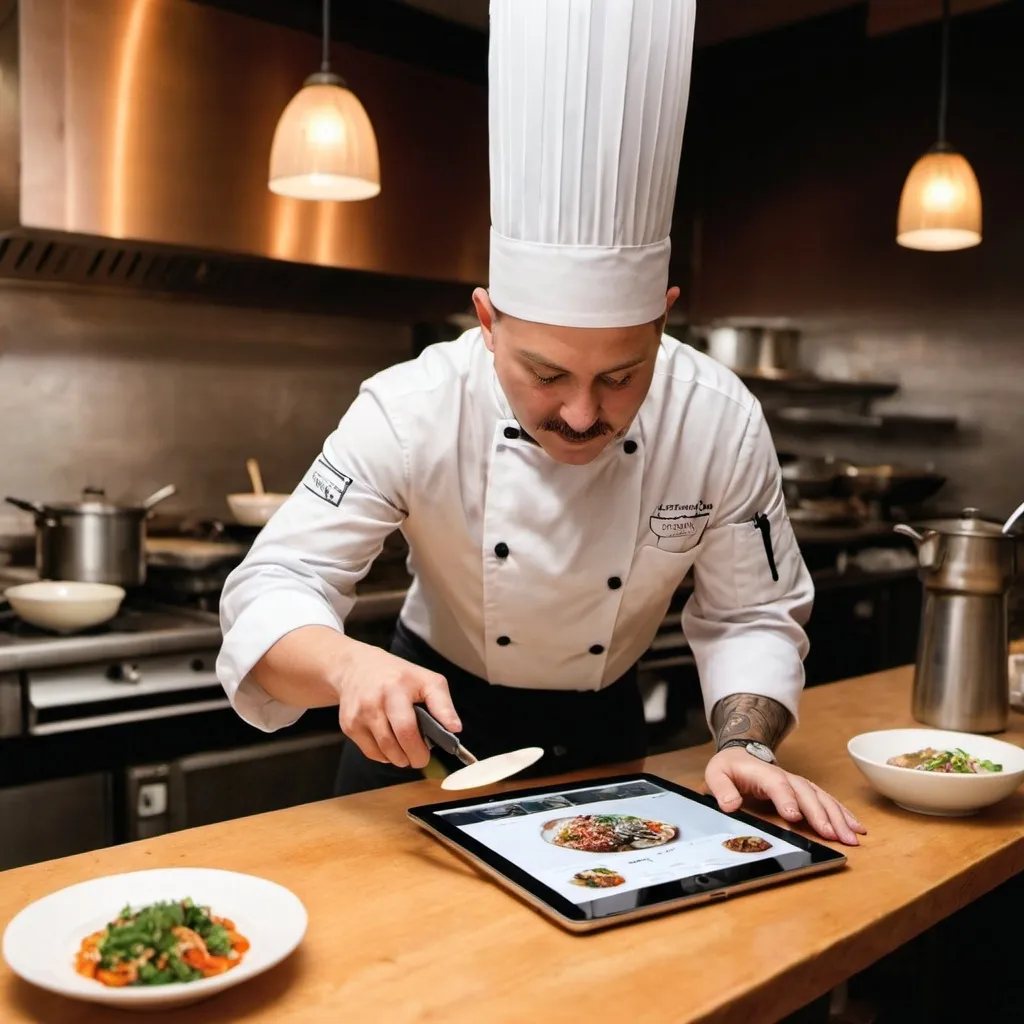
304, 565
745, 627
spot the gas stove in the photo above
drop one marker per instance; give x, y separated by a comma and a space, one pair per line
150, 661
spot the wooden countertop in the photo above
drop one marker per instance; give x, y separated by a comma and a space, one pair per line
402, 930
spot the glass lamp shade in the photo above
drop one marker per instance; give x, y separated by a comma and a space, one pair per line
324, 145
940, 208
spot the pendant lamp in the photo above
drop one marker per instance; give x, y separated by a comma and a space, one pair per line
324, 146
940, 207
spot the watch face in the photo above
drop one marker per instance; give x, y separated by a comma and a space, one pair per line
761, 751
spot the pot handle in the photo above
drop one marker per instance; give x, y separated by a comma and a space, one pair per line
158, 496
28, 506
1014, 516
908, 531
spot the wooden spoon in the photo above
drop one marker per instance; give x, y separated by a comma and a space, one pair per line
254, 476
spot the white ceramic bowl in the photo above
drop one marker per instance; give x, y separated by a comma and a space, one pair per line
65, 606
255, 509
940, 793
40, 942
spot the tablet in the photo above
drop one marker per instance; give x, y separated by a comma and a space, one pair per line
601, 852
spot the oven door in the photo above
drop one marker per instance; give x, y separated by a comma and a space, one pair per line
204, 788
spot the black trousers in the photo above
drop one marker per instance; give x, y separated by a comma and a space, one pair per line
577, 729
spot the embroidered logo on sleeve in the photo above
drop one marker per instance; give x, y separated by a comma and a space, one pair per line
327, 482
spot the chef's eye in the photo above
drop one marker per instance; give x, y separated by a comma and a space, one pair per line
618, 382
546, 380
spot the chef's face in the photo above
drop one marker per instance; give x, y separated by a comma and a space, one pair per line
572, 389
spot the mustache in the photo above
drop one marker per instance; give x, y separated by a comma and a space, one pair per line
556, 426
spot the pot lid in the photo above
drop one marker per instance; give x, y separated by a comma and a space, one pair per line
94, 501
969, 524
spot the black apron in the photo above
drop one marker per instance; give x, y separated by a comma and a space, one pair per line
577, 729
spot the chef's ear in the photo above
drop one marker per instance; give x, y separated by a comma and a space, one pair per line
671, 298
486, 314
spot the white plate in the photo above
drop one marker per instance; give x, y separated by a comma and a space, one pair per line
40, 943
940, 793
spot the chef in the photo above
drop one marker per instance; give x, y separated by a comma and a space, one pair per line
556, 472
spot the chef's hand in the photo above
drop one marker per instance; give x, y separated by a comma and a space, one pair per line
377, 691
733, 773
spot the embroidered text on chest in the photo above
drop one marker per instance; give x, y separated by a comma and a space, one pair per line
685, 519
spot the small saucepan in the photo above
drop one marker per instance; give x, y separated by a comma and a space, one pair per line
92, 540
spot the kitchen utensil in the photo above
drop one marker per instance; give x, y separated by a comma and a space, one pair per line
966, 565
947, 794
759, 350
254, 476
92, 540
64, 606
255, 509
475, 773
39, 943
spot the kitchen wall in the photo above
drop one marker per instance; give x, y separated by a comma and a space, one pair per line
130, 392
796, 149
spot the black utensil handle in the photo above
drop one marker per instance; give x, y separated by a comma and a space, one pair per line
762, 523
434, 731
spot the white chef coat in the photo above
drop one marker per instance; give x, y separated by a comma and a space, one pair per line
594, 552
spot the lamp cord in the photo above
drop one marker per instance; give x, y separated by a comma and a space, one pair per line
944, 74
325, 63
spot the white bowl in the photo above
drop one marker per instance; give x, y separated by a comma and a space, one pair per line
941, 793
40, 942
255, 509
65, 606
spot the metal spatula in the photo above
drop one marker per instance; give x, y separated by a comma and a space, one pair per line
476, 772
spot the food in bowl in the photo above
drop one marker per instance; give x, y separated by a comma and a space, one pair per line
931, 760
160, 944
939, 792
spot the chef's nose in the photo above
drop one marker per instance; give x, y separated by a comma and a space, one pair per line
581, 411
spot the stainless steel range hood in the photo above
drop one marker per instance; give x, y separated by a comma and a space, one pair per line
134, 141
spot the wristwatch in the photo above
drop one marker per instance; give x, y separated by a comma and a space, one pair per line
759, 750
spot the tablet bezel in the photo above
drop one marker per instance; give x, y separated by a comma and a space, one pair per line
700, 888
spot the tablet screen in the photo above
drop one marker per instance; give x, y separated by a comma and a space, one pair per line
613, 843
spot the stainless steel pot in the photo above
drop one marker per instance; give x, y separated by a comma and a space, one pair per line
967, 565
92, 540
763, 351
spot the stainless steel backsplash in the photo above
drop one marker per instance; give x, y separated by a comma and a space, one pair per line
970, 366
129, 392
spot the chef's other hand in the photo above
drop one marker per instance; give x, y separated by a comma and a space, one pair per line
377, 691
733, 773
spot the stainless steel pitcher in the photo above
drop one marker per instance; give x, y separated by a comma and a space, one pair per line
967, 565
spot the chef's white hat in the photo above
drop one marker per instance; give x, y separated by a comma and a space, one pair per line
587, 106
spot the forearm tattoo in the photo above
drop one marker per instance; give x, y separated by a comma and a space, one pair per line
747, 716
